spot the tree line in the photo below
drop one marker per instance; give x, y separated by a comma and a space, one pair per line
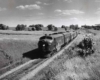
34, 27
50, 27
95, 27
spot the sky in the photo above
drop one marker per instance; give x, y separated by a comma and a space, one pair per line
56, 12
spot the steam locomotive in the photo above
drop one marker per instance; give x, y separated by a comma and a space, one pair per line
54, 42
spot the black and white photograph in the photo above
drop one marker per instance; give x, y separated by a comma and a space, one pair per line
49, 39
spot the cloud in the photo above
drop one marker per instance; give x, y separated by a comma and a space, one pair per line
2, 9
68, 12
46, 4
29, 7
38, 2
69, 1
58, 10
98, 12
74, 18
40, 13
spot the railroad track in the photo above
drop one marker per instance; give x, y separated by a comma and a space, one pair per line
29, 69
23, 69
31, 74
20, 69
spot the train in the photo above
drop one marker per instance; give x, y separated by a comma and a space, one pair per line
55, 41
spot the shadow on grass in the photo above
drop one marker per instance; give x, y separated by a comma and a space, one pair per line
34, 54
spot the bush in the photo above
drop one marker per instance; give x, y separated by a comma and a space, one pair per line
86, 47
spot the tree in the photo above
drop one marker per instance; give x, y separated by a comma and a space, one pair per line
51, 27
97, 27
63, 26
55, 29
38, 27
3, 27
74, 27
35, 27
20, 27
85, 26
32, 28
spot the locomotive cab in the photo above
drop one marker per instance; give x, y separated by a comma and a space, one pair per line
45, 43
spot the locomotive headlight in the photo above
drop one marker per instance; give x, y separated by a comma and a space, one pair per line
43, 45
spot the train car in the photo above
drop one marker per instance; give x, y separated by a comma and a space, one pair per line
59, 40
67, 37
73, 35
54, 42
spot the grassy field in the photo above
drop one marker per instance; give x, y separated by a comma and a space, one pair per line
13, 44
74, 68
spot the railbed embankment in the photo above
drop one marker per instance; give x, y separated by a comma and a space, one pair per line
55, 64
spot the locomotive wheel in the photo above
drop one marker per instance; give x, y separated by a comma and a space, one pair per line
50, 54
